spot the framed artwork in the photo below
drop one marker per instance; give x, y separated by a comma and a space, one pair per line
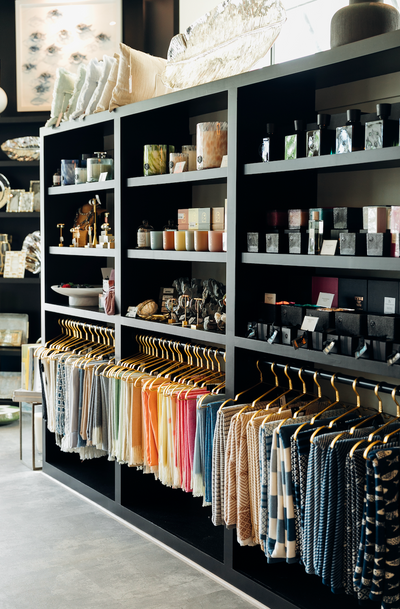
13, 200
63, 34
15, 265
35, 188
26, 201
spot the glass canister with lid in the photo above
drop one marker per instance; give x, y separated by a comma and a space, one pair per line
99, 164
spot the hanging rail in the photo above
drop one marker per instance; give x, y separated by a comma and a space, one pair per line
154, 342
339, 378
72, 326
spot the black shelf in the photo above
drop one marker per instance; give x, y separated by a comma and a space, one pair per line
172, 330
81, 251
76, 188
22, 164
23, 214
360, 263
10, 351
137, 254
214, 176
22, 280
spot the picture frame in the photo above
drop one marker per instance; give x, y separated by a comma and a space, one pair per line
14, 267
35, 188
60, 34
26, 200
10, 338
13, 200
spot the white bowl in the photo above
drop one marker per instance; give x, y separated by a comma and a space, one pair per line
80, 297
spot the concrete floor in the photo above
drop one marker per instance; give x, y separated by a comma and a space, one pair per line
57, 551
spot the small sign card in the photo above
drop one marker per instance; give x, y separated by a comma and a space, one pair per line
103, 176
180, 167
325, 300
389, 306
329, 247
309, 323
224, 162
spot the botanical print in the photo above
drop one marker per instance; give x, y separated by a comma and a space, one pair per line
60, 34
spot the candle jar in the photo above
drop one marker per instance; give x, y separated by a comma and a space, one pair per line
155, 159
168, 239
99, 164
68, 171
179, 240
156, 239
201, 240
191, 152
178, 157
189, 240
212, 144
215, 240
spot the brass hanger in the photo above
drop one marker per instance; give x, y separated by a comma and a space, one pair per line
358, 406
396, 418
354, 448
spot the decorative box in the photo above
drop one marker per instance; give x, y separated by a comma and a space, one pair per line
253, 242
348, 345
288, 335
328, 285
352, 244
353, 294
381, 350
383, 326
326, 319
383, 297
378, 244
297, 242
292, 315
349, 218
297, 219
262, 331
350, 324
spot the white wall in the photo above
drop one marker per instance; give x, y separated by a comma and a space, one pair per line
189, 11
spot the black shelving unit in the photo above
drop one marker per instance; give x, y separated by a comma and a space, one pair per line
251, 187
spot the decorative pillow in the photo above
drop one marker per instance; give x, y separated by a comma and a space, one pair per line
80, 79
93, 74
105, 98
62, 92
143, 71
108, 62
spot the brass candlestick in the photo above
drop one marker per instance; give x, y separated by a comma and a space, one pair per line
186, 300
61, 226
94, 202
197, 326
76, 233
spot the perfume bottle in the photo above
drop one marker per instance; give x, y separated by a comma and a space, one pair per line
57, 178
143, 235
381, 133
267, 148
322, 140
314, 236
350, 137
295, 145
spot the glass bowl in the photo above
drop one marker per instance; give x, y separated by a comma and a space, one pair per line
22, 148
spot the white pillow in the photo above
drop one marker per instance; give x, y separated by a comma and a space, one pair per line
108, 62
93, 74
62, 92
80, 79
105, 98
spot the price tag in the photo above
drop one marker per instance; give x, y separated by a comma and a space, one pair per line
329, 247
389, 306
103, 176
309, 323
325, 300
179, 167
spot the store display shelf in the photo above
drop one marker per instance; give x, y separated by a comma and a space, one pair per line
89, 313
10, 351
19, 163
385, 158
81, 251
22, 214
26, 280
367, 263
171, 330
76, 188
176, 256
213, 176
365, 366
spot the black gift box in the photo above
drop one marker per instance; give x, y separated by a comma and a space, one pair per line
378, 244
298, 243
270, 313
350, 218
378, 290
350, 324
318, 340
326, 319
332, 338
381, 350
386, 326
348, 345
292, 316
262, 331
288, 334
353, 294
352, 244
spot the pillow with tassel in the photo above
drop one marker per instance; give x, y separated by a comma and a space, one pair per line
62, 93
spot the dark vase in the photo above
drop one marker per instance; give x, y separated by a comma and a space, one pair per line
361, 20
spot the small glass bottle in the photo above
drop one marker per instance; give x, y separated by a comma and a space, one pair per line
57, 178
295, 144
267, 148
314, 236
350, 137
382, 132
143, 235
322, 140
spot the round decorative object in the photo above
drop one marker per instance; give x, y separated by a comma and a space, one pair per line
22, 148
362, 19
147, 308
80, 297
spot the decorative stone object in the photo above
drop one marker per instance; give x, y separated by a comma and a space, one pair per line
362, 19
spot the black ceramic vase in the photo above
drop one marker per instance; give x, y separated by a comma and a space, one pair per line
361, 20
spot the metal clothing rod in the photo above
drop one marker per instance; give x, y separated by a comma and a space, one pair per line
72, 326
156, 342
339, 378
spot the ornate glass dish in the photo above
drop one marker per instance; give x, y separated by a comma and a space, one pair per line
22, 148
228, 40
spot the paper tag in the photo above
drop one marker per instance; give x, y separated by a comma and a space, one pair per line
224, 162
103, 176
325, 300
309, 323
270, 299
329, 347
389, 306
393, 359
272, 338
361, 351
329, 247
179, 167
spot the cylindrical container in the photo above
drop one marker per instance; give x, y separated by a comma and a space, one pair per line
201, 240
179, 240
68, 171
156, 239
99, 164
178, 157
362, 19
215, 240
191, 151
155, 159
212, 144
189, 240
80, 175
168, 240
